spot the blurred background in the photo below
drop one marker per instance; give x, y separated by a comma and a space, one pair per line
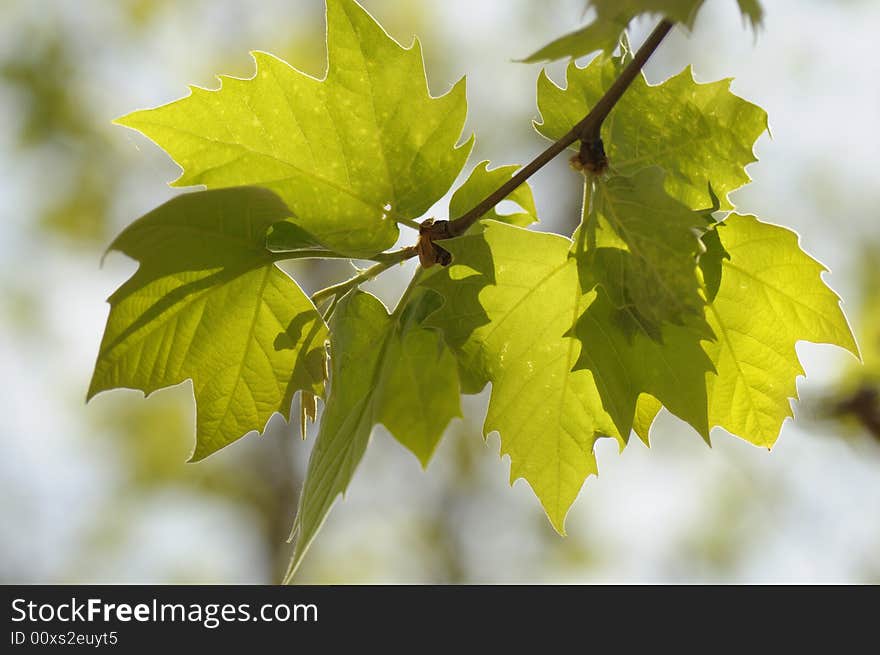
101, 493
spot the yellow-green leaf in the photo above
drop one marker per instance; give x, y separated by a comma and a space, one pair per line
419, 392
511, 296
647, 409
702, 135
771, 296
642, 333
349, 154
209, 304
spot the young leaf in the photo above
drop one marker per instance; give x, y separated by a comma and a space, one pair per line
510, 297
385, 369
349, 154
481, 183
700, 134
208, 303
612, 18
771, 296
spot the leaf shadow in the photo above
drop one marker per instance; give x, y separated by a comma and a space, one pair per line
310, 364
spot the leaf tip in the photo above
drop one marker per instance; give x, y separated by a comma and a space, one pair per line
198, 454
533, 58
129, 120
704, 433
120, 120
459, 87
92, 391
467, 146
263, 59
424, 459
557, 520
293, 567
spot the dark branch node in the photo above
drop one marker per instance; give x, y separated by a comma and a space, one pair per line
591, 157
429, 252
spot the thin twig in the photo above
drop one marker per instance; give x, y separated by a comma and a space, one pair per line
395, 256
388, 261
407, 222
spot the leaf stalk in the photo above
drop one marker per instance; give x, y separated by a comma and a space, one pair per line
388, 260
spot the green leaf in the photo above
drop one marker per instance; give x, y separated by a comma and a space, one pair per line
385, 369
510, 297
358, 341
598, 35
646, 258
481, 183
642, 334
627, 362
420, 392
208, 303
700, 134
771, 296
350, 154
612, 18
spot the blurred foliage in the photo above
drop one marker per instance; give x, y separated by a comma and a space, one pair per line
43, 78
718, 544
855, 402
81, 213
153, 441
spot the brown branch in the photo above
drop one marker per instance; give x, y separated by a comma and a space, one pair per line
587, 131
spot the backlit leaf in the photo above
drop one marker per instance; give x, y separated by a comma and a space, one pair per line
771, 296
348, 154
647, 409
385, 369
510, 297
209, 304
702, 135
